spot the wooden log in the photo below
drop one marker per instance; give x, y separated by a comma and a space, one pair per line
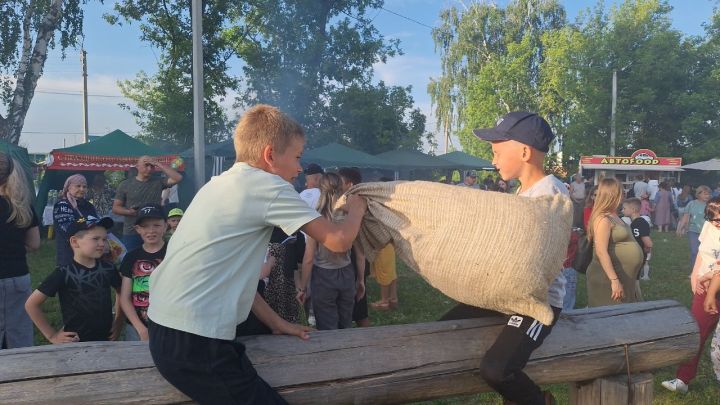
614, 390
390, 364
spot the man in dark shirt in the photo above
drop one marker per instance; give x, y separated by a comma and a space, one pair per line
138, 191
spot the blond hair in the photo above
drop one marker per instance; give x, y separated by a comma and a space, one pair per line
700, 189
260, 126
330, 191
609, 197
16, 193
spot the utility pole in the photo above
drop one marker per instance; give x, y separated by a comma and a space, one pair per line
83, 60
198, 94
612, 113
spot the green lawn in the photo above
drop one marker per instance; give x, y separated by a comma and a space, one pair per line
421, 303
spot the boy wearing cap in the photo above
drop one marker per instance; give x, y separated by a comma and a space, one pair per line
520, 141
173, 220
84, 289
136, 268
470, 180
311, 194
207, 284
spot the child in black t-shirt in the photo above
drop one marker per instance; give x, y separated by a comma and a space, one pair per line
84, 289
137, 266
640, 229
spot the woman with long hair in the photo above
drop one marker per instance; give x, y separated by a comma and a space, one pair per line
19, 234
333, 282
617, 257
71, 206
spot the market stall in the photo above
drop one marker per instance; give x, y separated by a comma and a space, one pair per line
642, 162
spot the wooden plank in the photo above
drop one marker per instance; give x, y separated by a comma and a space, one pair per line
390, 364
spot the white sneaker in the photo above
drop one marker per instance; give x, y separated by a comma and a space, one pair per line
676, 385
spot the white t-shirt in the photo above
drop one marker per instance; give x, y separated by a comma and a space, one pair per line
640, 188
207, 282
709, 251
578, 191
550, 185
311, 196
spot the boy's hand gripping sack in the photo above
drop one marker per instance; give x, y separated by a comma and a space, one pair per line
486, 249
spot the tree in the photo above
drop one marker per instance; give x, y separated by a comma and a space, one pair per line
297, 52
27, 30
491, 60
374, 119
163, 102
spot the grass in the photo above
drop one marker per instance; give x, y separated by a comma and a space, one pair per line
421, 303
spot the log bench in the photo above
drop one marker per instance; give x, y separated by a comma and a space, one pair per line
378, 365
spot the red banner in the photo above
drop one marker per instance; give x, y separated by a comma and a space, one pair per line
73, 161
641, 157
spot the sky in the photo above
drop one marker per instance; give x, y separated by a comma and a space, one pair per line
116, 53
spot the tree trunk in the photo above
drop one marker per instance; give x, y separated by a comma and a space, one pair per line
29, 70
379, 365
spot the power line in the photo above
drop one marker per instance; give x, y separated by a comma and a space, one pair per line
407, 18
67, 93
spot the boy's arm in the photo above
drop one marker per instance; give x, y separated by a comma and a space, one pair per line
273, 321
125, 300
338, 237
647, 243
34, 310
360, 281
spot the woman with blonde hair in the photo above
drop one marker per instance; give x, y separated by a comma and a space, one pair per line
617, 257
71, 207
19, 234
333, 281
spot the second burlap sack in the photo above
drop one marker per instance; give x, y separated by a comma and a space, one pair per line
486, 249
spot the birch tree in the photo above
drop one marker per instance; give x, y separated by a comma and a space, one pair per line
28, 31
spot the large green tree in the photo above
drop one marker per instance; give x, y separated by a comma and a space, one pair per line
28, 30
297, 52
373, 118
491, 58
162, 102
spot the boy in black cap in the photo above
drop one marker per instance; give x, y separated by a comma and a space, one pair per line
137, 266
520, 141
313, 172
84, 289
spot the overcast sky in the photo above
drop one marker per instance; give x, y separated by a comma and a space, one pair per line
116, 53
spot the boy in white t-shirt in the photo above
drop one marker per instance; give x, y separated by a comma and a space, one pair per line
520, 141
207, 283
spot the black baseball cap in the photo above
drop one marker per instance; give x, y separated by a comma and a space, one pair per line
153, 211
313, 168
89, 222
521, 126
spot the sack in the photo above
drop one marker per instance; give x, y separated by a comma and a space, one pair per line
505, 258
115, 250
584, 254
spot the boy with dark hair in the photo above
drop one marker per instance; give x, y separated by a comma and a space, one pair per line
84, 288
207, 284
136, 268
520, 141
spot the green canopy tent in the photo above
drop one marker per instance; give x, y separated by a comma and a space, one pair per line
464, 161
337, 155
115, 151
407, 162
20, 155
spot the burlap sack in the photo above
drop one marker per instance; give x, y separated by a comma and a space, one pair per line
486, 249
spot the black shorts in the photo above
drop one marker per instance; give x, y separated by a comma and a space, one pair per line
209, 371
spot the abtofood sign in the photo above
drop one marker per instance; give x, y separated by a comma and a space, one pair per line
641, 157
